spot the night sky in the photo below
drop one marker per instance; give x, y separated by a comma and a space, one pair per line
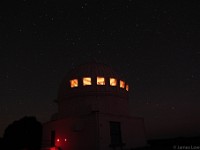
154, 45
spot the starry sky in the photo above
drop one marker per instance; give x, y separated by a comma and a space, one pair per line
154, 45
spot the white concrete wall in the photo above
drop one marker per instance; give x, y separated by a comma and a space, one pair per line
80, 132
93, 131
84, 105
132, 130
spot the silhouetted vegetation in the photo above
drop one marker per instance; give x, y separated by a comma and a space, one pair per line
1, 142
24, 134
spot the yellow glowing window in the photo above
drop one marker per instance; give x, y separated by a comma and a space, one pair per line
122, 84
100, 81
74, 83
87, 81
113, 82
127, 87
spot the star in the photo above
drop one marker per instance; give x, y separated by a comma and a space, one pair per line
173, 108
20, 30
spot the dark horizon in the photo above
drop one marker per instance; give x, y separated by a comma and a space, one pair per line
155, 46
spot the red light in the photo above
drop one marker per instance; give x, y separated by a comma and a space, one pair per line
65, 140
58, 140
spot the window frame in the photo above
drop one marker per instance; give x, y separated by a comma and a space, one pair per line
122, 84
114, 79
127, 87
73, 84
99, 83
87, 81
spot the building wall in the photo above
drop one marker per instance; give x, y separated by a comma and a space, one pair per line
92, 131
80, 132
85, 104
132, 131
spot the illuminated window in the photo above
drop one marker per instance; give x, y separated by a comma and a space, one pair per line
113, 82
100, 81
74, 83
127, 87
87, 81
122, 84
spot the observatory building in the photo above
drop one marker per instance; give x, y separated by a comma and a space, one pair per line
93, 113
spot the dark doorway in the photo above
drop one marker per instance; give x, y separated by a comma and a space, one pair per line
53, 136
115, 133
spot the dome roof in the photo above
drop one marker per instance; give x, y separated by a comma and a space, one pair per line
92, 70
73, 83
